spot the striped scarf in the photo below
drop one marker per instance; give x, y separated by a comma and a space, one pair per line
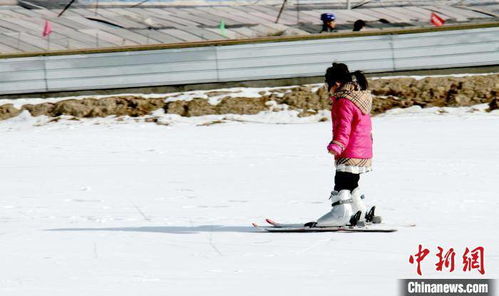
361, 98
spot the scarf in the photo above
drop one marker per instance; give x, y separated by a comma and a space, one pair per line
361, 98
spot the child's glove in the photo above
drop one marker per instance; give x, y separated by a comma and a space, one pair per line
334, 149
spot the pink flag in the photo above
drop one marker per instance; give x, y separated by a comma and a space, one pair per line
47, 29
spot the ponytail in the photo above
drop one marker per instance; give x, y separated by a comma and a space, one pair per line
361, 79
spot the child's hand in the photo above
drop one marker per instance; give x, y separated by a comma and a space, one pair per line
334, 149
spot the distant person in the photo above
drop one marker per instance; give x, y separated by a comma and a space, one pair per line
358, 25
328, 22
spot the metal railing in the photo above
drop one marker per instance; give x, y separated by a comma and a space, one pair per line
250, 61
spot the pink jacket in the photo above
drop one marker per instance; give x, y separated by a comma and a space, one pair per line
352, 127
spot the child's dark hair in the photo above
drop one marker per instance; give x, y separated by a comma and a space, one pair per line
339, 73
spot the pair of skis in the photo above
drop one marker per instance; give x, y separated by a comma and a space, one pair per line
281, 227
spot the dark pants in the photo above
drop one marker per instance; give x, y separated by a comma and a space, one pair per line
347, 181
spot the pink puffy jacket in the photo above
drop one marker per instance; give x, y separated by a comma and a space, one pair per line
352, 136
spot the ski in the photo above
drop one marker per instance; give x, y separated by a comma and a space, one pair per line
277, 227
323, 229
301, 228
288, 225
281, 225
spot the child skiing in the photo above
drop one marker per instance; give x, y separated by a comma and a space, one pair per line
352, 149
351, 145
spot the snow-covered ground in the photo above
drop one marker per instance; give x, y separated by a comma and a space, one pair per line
106, 207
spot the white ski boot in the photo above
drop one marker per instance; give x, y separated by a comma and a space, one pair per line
359, 205
341, 212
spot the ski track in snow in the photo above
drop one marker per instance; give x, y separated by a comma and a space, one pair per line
98, 207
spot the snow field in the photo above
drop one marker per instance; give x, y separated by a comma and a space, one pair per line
104, 208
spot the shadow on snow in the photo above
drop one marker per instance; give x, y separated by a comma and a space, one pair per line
168, 229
